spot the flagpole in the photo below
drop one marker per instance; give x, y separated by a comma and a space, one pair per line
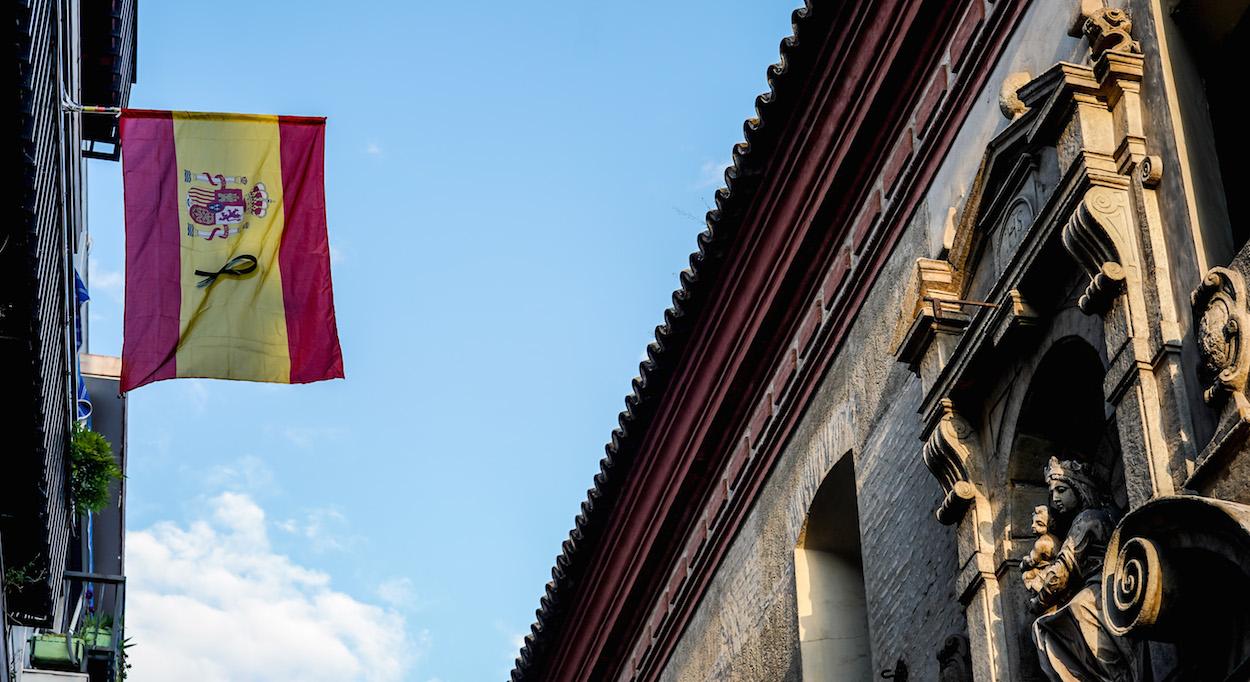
68, 104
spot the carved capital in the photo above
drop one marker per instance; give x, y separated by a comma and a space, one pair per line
1220, 321
947, 450
1091, 235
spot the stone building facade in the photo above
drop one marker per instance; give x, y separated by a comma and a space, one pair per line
956, 385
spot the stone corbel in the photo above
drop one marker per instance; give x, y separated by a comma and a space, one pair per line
947, 449
1094, 235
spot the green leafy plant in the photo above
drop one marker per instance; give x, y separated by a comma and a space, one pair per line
91, 469
93, 625
18, 578
123, 662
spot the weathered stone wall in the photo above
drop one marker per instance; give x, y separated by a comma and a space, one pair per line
746, 626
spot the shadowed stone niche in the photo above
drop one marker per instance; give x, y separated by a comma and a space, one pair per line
1065, 494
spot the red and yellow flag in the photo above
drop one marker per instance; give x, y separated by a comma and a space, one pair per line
227, 259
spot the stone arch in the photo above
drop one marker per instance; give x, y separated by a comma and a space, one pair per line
1064, 413
829, 582
1060, 412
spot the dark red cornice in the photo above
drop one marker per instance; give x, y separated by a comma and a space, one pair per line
868, 74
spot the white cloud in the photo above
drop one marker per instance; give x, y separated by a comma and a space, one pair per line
373, 149
248, 473
323, 528
712, 174
214, 598
398, 592
102, 280
307, 436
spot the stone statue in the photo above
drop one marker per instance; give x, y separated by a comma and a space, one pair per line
1041, 556
1072, 638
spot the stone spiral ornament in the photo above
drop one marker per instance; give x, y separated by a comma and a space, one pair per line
1133, 590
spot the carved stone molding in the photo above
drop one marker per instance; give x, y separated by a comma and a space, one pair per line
1091, 236
946, 452
1009, 101
1107, 29
1220, 323
1013, 317
1150, 171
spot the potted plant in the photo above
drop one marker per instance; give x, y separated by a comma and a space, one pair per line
91, 469
55, 650
96, 631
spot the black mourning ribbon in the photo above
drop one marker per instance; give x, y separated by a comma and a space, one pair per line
237, 266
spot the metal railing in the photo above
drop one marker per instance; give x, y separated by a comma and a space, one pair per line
92, 634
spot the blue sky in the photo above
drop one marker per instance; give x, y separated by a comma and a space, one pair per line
512, 189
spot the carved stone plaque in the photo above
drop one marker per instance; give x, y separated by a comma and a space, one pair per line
1219, 325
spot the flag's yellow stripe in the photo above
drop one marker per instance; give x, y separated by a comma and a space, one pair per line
235, 328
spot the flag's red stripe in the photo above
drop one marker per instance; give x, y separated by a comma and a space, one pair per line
304, 256
153, 291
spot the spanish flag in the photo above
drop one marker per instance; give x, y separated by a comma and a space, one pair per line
227, 259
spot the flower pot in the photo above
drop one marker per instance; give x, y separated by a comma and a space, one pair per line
52, 650
97, 637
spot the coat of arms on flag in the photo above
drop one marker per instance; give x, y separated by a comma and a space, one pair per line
227, 258
219, 202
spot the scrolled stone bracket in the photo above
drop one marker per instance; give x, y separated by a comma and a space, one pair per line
1220, 323
1090, 236
947, 449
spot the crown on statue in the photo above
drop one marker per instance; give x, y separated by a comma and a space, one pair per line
1069, 470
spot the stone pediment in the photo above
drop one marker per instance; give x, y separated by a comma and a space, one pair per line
1019, 171
1057, 174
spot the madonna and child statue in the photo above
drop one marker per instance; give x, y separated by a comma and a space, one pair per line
1063, 574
